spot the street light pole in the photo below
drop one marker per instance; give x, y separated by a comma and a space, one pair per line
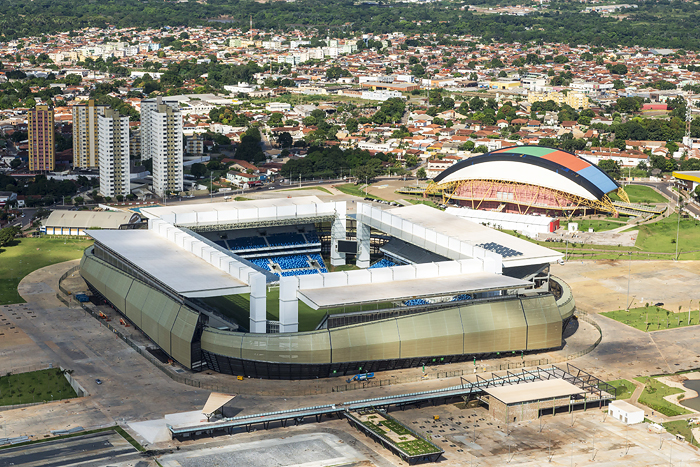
678, 228
629, 276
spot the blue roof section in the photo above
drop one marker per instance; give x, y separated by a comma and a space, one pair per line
599, 178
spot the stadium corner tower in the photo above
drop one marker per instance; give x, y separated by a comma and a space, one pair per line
243, 288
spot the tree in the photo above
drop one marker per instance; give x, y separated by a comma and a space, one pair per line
198, 170
481, 148
420, 173
15, 163
7, 235
351, 125
275, 119
285, 140
611, 167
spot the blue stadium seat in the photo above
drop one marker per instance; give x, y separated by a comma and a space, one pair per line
416, 301
262, 262
383, 263
461, 297
247, 243
286, 239
291, 261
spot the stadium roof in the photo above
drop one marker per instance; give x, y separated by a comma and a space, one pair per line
327, 297
177, 269
228, 214
535, 165
690, 175
515, 251
90, 219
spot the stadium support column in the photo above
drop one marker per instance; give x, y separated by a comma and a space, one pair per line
258, 303
363, 235
338, 232
289, 304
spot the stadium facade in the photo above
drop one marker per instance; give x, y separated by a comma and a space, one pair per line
530, 180
242, 287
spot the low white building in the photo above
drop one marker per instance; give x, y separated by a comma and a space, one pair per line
626, 412
526, 224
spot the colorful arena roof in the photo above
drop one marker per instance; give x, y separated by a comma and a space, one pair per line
569, 166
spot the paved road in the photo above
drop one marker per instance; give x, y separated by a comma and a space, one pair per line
89, 450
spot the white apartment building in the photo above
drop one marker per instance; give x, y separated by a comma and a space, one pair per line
113, 145
85, 151
161, 141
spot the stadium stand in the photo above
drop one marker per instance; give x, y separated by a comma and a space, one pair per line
262, 262
415, 302
461, 297
291, 261
286, 239
246, 243
383, 263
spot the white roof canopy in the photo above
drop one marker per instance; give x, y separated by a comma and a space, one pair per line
327, 297
183, 272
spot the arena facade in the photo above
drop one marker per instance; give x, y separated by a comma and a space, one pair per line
243, 287
530, 180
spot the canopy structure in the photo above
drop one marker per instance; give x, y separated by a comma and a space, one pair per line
215, 402
327, 297
166, 263
536, 390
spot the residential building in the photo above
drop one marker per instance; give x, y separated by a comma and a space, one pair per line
577, 100
135, 143
42, 156
85, 153
161, 140
195, 145
113, 146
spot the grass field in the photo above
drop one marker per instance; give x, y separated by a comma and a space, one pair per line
355, 190
653, 397
29, 254
654, 241
624, 388
35, 386
640, 194
680, 427
653, 318
319, 188
661, 237
596, 225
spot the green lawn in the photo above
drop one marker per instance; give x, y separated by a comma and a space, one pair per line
624, 388
641, 194
417, 447
29, 254
596, 225
661, 236
355, 190
680, 427
35, 386
653, 397
319, 188
653, 318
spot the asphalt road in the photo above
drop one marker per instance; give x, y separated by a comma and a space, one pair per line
665, 188
89, 450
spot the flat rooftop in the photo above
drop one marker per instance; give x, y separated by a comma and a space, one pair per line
327, 297
534, 391
233, 212
176, 268
514, 250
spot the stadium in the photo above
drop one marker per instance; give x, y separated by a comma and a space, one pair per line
246, 288
531, 180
